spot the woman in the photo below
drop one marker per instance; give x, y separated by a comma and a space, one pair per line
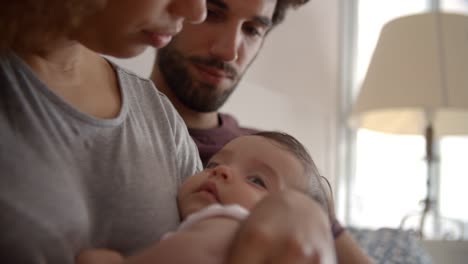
91, 155
86, 145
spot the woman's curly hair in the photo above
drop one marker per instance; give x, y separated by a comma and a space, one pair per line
27, 24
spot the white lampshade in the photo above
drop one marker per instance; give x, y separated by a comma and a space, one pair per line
419, 66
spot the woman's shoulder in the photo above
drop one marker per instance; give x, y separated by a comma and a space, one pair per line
141, 87
144, 97
130, 77
8, 60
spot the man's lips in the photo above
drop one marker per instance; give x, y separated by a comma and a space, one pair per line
210, 188
212, 74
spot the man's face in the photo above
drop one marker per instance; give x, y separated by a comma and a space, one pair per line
204, 63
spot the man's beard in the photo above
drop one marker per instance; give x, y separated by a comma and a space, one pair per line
195, 95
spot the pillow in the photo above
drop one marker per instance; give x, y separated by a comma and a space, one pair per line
391, 246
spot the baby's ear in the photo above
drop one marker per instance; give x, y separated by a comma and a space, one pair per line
327, 190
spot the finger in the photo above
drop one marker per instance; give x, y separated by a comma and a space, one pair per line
295, 251
99, 256
290, 257
327, 257
316, 259
250, 246
292, 251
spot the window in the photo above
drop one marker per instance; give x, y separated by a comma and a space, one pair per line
454, 177
390, 178
456, 6
390, 170
453, 153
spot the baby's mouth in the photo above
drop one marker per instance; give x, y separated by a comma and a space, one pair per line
210, 188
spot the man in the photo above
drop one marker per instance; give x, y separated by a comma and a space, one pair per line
202, 66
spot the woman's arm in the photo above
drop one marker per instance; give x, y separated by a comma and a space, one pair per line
349, 252
347, 249
204, 242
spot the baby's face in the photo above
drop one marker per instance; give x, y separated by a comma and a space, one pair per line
243, 172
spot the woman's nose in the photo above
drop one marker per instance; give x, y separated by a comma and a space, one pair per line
193, 11
226, 46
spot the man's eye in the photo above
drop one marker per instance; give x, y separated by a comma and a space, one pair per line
252, 31
257, 181
213, 15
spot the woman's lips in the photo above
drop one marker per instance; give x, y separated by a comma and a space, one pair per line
158, 40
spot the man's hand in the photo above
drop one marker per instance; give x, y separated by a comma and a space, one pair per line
287, 228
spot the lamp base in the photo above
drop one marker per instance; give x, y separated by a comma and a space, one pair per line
434, 226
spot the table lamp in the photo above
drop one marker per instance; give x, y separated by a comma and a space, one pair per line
417, 83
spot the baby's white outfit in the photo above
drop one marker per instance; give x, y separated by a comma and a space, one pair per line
233, 211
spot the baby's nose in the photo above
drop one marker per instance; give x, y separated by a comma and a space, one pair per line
223, 172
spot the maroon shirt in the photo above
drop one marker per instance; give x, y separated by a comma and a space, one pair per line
210, 141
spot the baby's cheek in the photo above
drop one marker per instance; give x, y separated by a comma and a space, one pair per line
249, 200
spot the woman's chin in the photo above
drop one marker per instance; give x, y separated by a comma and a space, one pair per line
126, 53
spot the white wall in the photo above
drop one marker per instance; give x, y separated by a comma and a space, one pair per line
447, 252
293, 84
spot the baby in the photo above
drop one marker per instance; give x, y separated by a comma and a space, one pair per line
214, 202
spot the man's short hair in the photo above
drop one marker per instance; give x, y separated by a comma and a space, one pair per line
282, 6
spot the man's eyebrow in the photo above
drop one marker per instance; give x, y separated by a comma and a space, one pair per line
263, 20
219, 3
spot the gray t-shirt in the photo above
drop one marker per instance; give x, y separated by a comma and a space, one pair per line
70, 181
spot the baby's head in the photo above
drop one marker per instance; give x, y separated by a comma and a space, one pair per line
247, 169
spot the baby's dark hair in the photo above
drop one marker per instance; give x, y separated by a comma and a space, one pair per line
315, 188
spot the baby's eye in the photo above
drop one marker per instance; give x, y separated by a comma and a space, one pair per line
257, 181
211, 165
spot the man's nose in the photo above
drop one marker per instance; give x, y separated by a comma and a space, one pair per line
226, 45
